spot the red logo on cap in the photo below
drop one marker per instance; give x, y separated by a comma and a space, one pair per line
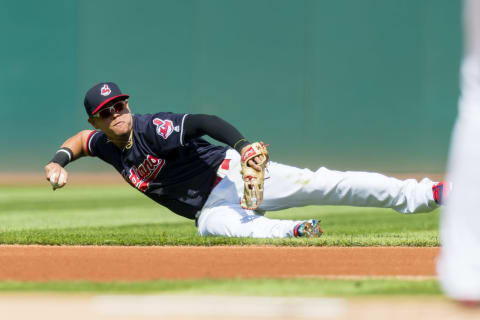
105, 91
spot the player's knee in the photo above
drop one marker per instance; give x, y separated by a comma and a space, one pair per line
214, 224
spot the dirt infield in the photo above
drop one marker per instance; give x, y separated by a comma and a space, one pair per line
40, 263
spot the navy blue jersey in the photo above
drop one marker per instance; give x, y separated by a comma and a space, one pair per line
174, 172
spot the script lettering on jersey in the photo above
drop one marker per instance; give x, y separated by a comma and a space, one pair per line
141, 176
164, 127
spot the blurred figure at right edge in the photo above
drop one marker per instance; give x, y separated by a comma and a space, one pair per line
459, 262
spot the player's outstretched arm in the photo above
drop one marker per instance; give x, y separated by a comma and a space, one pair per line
72, 149
197, 125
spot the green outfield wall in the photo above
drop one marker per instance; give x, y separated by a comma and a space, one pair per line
370, 84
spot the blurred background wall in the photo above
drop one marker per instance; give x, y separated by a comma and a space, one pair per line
360, 85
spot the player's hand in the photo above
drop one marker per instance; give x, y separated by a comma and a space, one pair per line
56, 175
253, 163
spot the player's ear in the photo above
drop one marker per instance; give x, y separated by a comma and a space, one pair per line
93, 122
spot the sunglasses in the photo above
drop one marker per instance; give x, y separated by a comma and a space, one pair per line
107, 112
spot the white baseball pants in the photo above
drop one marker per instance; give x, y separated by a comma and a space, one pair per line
459, 263
287, 187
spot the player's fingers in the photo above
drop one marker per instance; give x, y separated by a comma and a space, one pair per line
52, 168
262, 158
62, 179
252, 164
53, 177
48, 171
259, 159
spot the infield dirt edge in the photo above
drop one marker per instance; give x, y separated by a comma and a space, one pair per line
137, 263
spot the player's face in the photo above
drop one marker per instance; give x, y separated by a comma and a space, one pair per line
115, 120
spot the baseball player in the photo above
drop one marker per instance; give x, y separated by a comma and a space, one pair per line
459, 263
222, 188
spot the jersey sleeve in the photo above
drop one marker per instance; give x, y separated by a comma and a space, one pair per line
97, 145
166, 130
92, 143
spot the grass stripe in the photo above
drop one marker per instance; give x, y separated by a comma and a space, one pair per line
119, 215
252, 287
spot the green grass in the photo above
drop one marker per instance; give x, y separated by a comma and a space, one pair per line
241, 287
120, 215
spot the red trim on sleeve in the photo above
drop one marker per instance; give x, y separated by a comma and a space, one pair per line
88, 140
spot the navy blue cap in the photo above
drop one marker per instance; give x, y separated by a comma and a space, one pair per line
100, 95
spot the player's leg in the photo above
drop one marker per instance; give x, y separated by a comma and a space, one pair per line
288, 186
459, 263
222, 215
233, 221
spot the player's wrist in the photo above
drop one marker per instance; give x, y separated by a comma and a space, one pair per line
240, 145
63, 156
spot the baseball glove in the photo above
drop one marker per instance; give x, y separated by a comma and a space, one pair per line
252, 178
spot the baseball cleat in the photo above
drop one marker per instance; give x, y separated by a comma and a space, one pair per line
308, 229
441, 191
